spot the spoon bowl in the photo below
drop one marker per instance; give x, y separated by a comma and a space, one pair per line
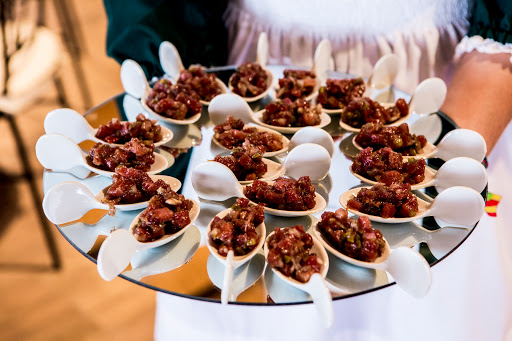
61, 154
455, 205
316, 286
232, 262
70, 200
118, 249
70, 123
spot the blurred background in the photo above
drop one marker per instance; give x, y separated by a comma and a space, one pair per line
43, 297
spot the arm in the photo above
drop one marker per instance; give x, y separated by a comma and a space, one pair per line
480, 94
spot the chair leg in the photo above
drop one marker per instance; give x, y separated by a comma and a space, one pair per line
71, 33
27, 170
61, 94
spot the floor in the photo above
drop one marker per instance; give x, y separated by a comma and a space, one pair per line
73, 303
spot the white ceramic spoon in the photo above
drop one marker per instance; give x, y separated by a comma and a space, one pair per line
383, 75
460, 171
118, 249
457, 143
285, 140
321, 61
455, 205
427, 98
172, 65
243, 277
61, 154
261, 58
232, 262
214, 181
409, 269
70, 123
71, 200
308, 158
316, 286
135, 84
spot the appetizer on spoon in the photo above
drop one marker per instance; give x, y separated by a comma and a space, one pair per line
457, 143
344, 237
248, 164
305, 83
167, 217
427, 98
397, 204
337, 93
386, 166
233, 133
69, 123
299, 259
214, 181
288, 117
206, 85
172, 103
61, 154
252, 81
71, 200
235, 236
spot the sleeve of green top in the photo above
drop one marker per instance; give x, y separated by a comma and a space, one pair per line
491, 19
137, 27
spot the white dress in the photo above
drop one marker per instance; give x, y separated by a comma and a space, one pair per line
470, 297
424, 34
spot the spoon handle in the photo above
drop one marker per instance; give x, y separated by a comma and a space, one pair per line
133, 78
322, 298
262, 49
322, 59
69, 123
458, 205
115, 253
410, 271
226, 294
170, 60
61, 154
214, 181
69, 201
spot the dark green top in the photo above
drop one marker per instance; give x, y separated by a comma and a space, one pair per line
196, 27
137, 27
491, 19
